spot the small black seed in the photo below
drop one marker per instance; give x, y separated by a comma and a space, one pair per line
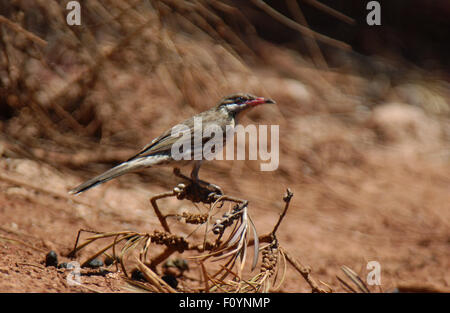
62, 265
137, 275
181, 264
95, 263
109, 260
170, 280
51, 259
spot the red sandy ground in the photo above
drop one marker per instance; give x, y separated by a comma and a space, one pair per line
370, 177
387, 209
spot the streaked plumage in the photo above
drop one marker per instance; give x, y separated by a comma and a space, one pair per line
158, 152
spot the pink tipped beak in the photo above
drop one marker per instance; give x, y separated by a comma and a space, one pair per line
259, 101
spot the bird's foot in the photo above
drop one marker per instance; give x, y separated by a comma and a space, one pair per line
212, 187
196, 190
177, 172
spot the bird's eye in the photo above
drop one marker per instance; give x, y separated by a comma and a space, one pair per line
241, 99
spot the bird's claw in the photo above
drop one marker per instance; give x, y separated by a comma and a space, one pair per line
215, 189
196, 189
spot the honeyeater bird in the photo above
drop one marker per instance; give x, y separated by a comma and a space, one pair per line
159, 152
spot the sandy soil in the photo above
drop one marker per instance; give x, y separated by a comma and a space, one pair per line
364, 146
382, 208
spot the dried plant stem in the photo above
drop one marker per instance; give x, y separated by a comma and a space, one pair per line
331, 11
154, 279
313, 47
17, 28
300, 28
355, 279
158, 213
345, 285
268, 238
287, 199
230, 249
161, 257
304, 271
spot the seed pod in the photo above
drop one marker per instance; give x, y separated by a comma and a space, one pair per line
270, 258
191, 218
169, 240
95, 263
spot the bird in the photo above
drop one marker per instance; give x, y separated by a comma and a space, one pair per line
159, 152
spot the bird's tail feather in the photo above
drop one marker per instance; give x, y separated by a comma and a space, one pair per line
106, 176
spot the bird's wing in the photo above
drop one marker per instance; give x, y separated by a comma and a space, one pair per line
163, 144
159, 144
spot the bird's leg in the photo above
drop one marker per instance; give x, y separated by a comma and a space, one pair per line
195, 170
196, 180
177, 172
196, 190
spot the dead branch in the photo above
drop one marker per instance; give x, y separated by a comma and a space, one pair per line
304, 271
300, 28
17, 28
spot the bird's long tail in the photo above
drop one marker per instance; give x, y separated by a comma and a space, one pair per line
119, 170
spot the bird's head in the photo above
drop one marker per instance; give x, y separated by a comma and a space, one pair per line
240, 102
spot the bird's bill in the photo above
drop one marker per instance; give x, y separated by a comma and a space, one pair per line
259, 101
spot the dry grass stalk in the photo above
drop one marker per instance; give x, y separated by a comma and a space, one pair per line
226, 242
300, 28
17, 28
354, 277
154, 278
357, 285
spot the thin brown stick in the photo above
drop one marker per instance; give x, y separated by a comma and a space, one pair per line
287, 199
158, 213
300, 28
346, 286
153, 278
331, 11
304, 271
17, 28
161, 257
311, 43
355, 279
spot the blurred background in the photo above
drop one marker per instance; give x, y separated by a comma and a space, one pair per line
363, 114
